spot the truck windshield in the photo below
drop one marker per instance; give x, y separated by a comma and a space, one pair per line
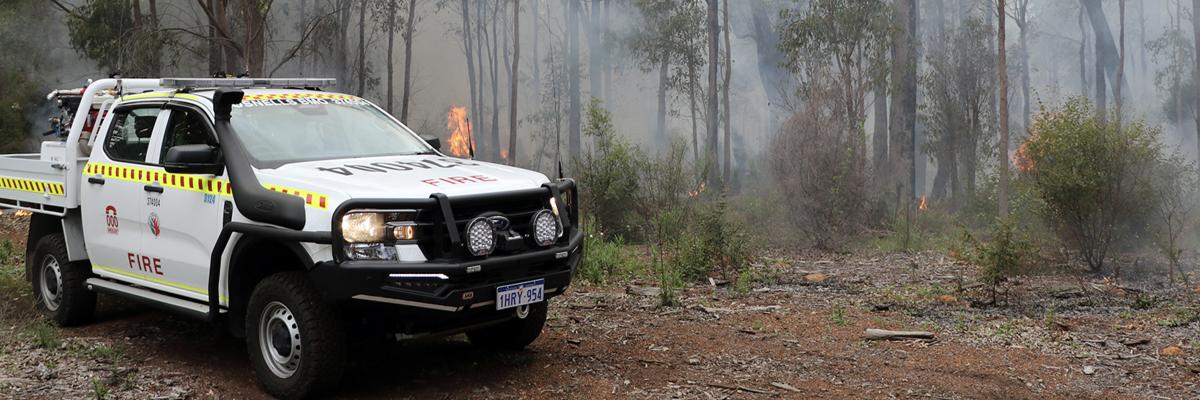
278, 132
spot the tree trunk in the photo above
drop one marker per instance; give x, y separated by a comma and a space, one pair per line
1196, 69
493, 50
481, 67
342, 45
1100, 87
595, 70
1026, 100
1106, 49
660, 141
362, 50
902, 118
1083, 81
879, 141
512, 96
537, 61
728, 164
608, 67
468, 51
712, 114
1002, 67
573, 101
1121, 65
303, 55
216, 49
692, 109
254, 22
391, 64
408, 43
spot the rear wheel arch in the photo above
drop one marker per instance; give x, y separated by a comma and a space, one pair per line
40, 225
253, 259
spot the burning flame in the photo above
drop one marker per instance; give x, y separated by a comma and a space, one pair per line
23, 213
460, 132
504, 154
924, 203
696, 193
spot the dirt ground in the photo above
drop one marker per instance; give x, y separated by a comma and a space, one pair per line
799, 334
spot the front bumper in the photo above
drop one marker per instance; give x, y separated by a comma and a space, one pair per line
447, 287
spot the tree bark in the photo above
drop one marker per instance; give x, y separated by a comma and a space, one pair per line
728, 164
362, 50
216, 50
714, 39
573, 100
902, 118
1083, 81
512, 106
1121, 65
494, 50
255, 24
391, 64
693, 109
409, 27
595, 69
1196, 69
660, 141
879, 141
1002, 66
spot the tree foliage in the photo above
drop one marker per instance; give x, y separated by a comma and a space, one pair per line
1094, 177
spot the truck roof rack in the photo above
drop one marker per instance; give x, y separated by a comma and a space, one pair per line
246, 83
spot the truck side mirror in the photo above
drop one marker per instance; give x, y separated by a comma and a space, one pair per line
193, 159
433, 141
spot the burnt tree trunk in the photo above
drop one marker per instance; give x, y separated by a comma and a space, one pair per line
728, 145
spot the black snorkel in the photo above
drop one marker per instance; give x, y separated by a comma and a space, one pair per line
253, 200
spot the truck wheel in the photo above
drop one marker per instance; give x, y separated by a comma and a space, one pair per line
515, 333
295, 341
59, 286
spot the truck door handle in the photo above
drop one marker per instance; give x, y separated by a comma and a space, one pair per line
96, 180
153, 188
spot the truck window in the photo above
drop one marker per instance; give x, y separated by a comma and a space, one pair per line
186, 127
129, 137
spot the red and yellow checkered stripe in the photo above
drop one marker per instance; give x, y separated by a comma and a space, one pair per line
297, 96
213, 186
32, 186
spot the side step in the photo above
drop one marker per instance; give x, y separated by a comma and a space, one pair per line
166, 302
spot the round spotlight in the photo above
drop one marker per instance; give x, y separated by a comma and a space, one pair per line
546, 228
480, 237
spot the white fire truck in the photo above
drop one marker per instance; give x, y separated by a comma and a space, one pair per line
295, 217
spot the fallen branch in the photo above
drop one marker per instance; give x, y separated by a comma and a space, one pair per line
881, 334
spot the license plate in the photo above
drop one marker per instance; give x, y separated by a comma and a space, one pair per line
519, 294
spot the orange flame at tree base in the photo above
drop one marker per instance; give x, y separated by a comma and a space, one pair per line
460, 141
924, 203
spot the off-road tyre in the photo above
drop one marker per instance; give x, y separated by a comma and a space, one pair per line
319, 351
59, 286
514, 334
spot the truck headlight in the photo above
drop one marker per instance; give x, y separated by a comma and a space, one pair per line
363, 227
480, 237
372, 235
546, 228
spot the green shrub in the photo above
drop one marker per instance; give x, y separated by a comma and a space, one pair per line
621, 186
1006, 254
1093, 177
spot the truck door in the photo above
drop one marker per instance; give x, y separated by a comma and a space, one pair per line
112, 195
184, 212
